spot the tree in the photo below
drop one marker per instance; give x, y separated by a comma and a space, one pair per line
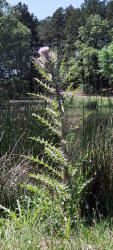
106, 63
86, 63
93, 7
84, 67
3, 7
45, 34
95, 32
32, 23
72, 23
109, 14
57, 28
14, 47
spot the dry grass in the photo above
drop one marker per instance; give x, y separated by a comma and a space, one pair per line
14, 170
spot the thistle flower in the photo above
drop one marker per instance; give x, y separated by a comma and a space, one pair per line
44, 52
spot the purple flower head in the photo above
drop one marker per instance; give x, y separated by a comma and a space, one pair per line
44, 51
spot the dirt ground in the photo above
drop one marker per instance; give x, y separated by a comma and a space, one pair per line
104, 92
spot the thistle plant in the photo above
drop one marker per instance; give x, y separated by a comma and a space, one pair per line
52, 161
54, 169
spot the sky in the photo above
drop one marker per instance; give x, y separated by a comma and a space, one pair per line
44, 8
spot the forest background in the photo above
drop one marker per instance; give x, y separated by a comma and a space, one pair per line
78, 34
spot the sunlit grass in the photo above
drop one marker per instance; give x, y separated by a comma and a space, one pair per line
97, 236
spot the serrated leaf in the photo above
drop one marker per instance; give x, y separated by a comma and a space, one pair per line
45, 165
48, 125
52, 183
45, 86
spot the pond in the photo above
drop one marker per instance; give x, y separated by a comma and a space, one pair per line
17, 123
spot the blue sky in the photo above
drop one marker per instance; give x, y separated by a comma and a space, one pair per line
45, 8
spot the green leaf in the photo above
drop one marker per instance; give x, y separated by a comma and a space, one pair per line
48, 125
57, 152
12, 215
43, 97
45, 86
52, 183
45, 165
67, 229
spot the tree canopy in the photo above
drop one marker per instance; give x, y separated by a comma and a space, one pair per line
84, 31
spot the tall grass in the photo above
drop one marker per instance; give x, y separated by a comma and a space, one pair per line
39, 219
17, 125
91, 153
91, 150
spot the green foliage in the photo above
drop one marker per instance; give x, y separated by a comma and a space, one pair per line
90, 7
38, 209
83, 69
22, 34
17, 43
34, 227
106, 63
95, 163
14, 51
94, 33
72, 23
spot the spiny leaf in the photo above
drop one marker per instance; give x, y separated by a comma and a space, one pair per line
52, 114
52, 155
59, 154
44, 85
55, 106
43, 97
51, 111
52, 183
42, 72
83, 185
31, 188
62, 157
45, 165
48, 125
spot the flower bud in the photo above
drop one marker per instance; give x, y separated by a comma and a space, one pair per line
44, 51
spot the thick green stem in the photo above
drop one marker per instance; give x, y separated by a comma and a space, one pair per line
63, 131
